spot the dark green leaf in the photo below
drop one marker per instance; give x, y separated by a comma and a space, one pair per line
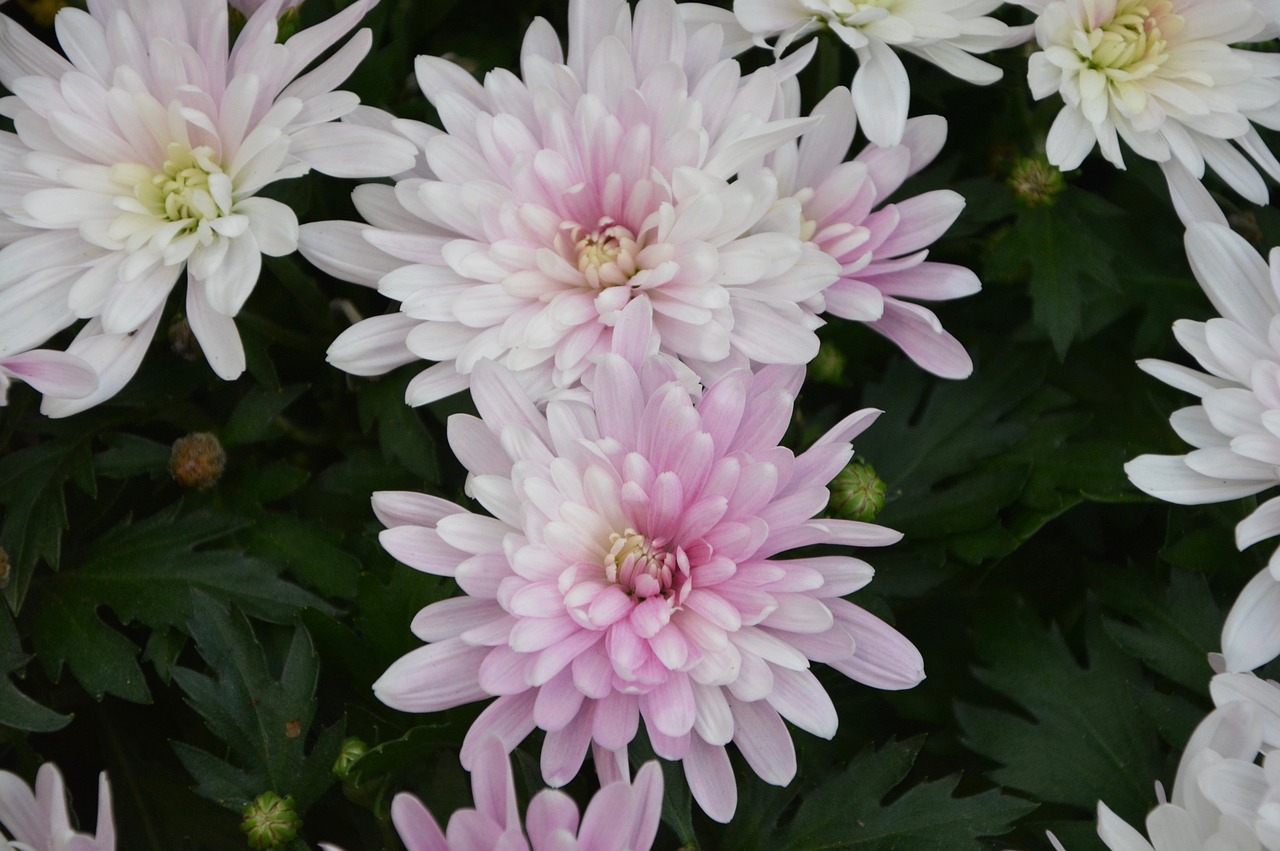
849, 810
264, 717
1084, 725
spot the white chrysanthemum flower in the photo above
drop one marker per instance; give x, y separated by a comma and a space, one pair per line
944, 32
141, 153
1161, 75
1198, 816
553, 201
1236, 427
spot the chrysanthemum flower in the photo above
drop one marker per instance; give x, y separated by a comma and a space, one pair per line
944, 32
1161, 75
140, 154
1198, 814
881, 253
622, 816
631, 571
1236, 427
552, 202
38, 821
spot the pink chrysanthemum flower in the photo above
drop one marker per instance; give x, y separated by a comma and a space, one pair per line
38, 821
828, 202
552, 202
140, 155
631, 571
621, 817
1236, 427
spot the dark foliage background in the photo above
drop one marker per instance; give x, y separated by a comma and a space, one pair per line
205, 646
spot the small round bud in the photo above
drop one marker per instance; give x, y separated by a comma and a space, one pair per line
270, 822
352, 750
5, 569
857, 493
1036, 182
197, 460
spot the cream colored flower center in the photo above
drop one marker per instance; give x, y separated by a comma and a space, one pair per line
1132, 44
187, 203
642, 567
607, 255
180, 191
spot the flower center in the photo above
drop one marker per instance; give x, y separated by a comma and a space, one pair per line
856, 14
181, 191
1132, 44
184, 204
642, 567
606, 256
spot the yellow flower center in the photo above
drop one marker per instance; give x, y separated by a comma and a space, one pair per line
856, 14
1132, 44
606, 256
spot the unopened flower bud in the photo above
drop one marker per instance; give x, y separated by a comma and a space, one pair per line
352, 750
5, 569
828, 366
270, 822
1036, 182
182, 340
857, 493
197, 460
42, 12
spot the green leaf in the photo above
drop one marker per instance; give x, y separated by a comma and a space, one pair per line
401, 434
128, 455
311, 552
145, 572
849, 809
264, 717
16, 709
1084, 726
1068, 254
1171, 626
32, 491
933, 434
67, 631
253, 420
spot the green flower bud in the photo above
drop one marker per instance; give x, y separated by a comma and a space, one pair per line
828, 366
857, 493
1036, 182
270, 822
352, 750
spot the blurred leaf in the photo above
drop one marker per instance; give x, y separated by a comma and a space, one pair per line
263, 717
849, 809
1084, 725
32, 490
